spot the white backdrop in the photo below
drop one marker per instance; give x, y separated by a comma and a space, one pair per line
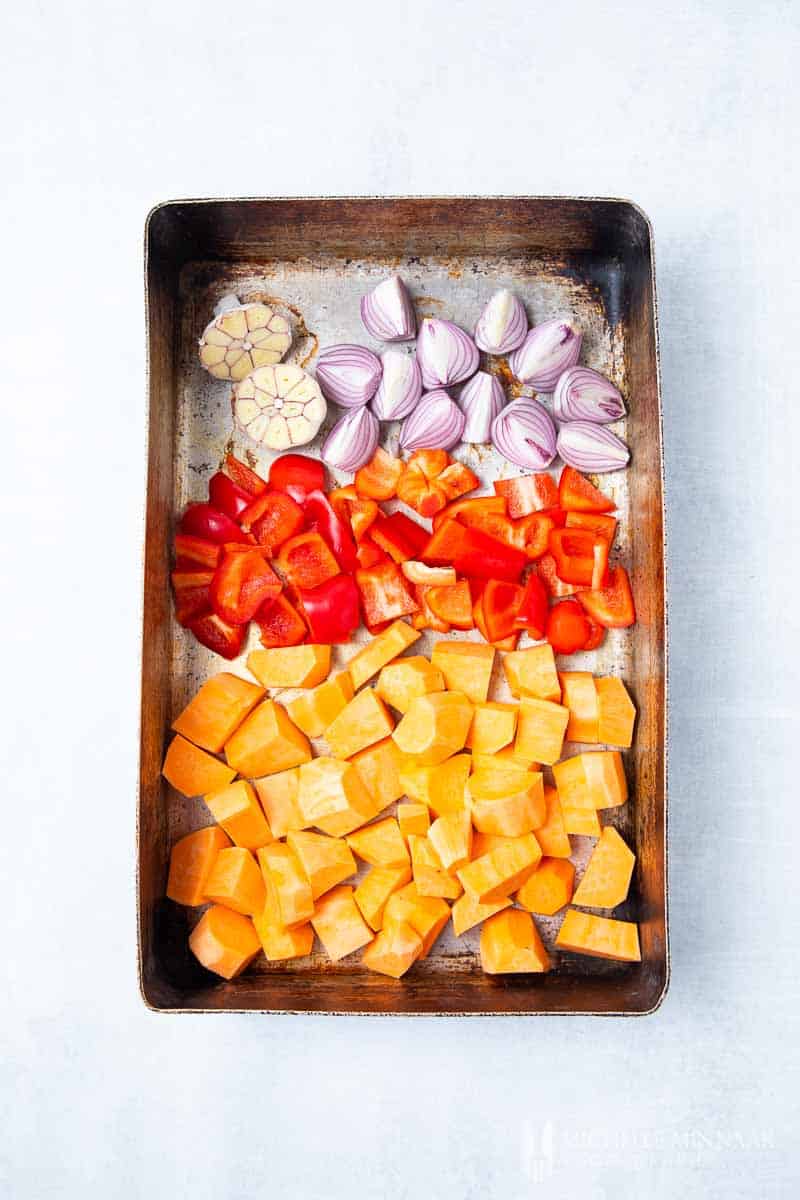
108, 108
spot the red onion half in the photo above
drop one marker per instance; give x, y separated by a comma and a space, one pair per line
481, 400
524, 432
348, 375
585, 395
445, 353
502, 325
400, 387
437, 423
387, 311
589, 447
352, 441
548, 350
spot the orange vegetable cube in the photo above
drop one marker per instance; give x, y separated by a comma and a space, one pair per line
190, 864
237, 810
608, 873
551, 834
278, 942
440, 788
192, 771
278, 796
399, 682
413, 818
224, 941
266, 742
532, 672
506, 803
570, 777
361, 723
493, 727
466, 667
287, 882
379, 767
373, 893
315, 710
235, 881
380, 844
579, 695
510, 943
429, 874
325, 860
217, 710
594, 779
467, 912
394, 950
540, 729
427, 914
484, 843
617, 712
502, 870
451, 838
380, 651
290, 666
504, 760
601, 937
582, 822
338, 923
435, 727
332, 796
549, 888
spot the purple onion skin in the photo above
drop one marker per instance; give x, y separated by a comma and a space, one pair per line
388, 312
582, 394
386, 407
437, 423
592, 448
445, 353
481, 399
548, 350
524, 432
352, 441
348, 375
515, 325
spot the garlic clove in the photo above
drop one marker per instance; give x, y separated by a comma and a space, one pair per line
279, 405
251, 335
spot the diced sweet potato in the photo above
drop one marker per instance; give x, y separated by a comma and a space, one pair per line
570, 777
217, 710
285, 878
338, 923
427, 914
290, 666
414, 818
235, 881
506, 803
551, 834
430, 876
594, 779
237, 810
497, 874
361, 723
394, 950
466, 667
277, 941
510, 943
493, 727
380, 844
549, 888
380, 651
192, 771
440, 788
451, 838
504, 760
376, 887
399, 682
224, 941
315, 710
617, 712
484, 843
190, 864
540, 729
532, 672
266, 742
601, 937
579, 695
278, 796
582, 822
325, 860
608, 873
467, 912
435, 727
332, 795
379, 767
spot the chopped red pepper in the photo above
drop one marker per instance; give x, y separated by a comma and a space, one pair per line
497, 525
579, 555
533, 534
533, 608
426, 618
528, 493
557, 515
445, 544
227, 496
487, 558
331, 610
596, 635
501, 603
576, 493
244, 477
280, 623
598, 523
546, 567
322, 519
203, 521
297, 475
384, 593
357, 513
611, 606
193, 552
211, 631
451, 603
307, 561
567, 627
241, 584
369, 555
431, 479
273, 517
192, 594
478, 504
379, 478
399, 536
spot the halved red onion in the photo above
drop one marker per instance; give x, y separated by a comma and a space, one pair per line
585, 395
348, 375
445, 353
590, 447
481, 400
400, 387
524, 432
387, 311
502, 325
352, 441
548, 350
437, 423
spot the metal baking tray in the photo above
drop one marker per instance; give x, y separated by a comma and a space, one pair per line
314, 258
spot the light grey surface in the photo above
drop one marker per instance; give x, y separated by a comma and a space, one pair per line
688, 109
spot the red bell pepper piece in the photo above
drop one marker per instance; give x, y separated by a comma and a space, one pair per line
297, 475
478, 504
211, 631
273, 517
378, 480
451, 603
528, 493
596, 635
244, 477
280, 623
369, 555
242, 582
557, 515
567, 627
399, 536
533, 534
355, 512
192, 594
193, 552
546, 566
598, 523
577, 494
533, 608
501, 603
612, 605
227, 496
426, 618
321, 518
445, 544
497, 525
580, 555
487, 558
331, 610
384, 593
307, 561
203, 521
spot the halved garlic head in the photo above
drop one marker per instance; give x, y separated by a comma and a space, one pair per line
240, 339
279, 406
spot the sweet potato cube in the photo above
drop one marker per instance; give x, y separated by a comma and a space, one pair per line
466, 667
315, 710
235, 881
399, 682
497, 874
380, 651
549, 888
484, 843
504, 760
601, 937
278, 796
582, 822
605, 778
540, 729
506, 803
617, 712
237, 810
435, 727
493, 727
285, 878
394, 950
224, 941
338, 923
451, 838
429, 874
376, 887
290, 666
608, 873
579, 695
467, 912
190, 864
361, 723
570, 777
440, 788
551, 834
510, 943
325, 860
277, 941
413, 818
379, 767
332, 795
427, 914
266, 742
380, 844
217, 710
532, 672
192, 771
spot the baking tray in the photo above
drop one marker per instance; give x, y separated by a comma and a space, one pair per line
314, 258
